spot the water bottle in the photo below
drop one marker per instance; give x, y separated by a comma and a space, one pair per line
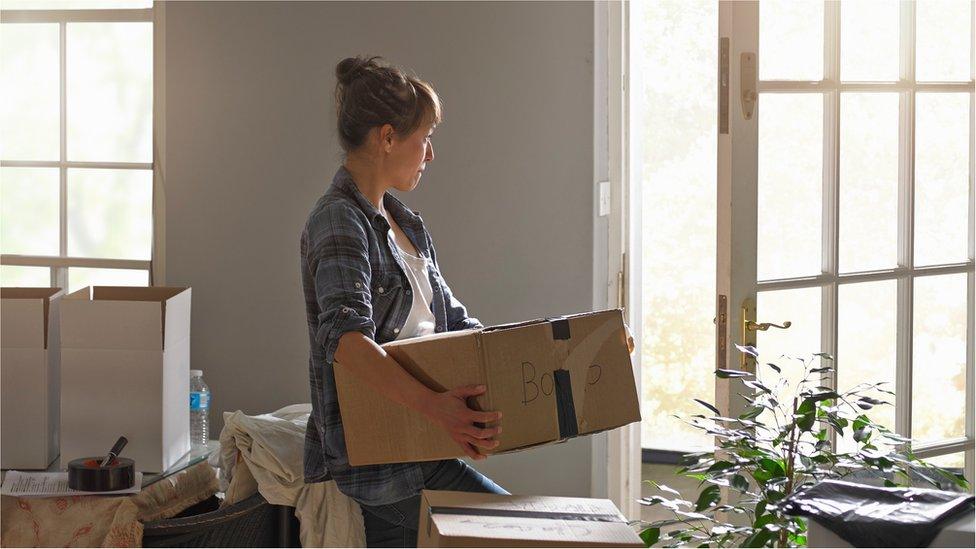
199, 409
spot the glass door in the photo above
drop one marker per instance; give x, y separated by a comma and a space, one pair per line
845, 201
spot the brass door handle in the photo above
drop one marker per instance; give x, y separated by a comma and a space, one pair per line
762, 327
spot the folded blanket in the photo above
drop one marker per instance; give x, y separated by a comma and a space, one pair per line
265, 454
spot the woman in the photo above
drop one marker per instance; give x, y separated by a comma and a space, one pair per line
370, 276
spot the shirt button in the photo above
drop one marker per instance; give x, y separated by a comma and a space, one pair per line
358, 285
381, 289
346, 310
408, 292
438, 329
396, 330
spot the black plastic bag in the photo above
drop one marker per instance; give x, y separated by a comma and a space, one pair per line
871, 516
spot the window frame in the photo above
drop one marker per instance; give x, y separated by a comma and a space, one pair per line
829, 281
735, 168
59, 265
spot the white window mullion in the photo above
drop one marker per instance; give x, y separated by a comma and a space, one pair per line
906, 219
971, 287
61, 273
831, 191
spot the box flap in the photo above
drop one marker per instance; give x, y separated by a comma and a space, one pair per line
513, 520
125, 317
26, 316
519, 365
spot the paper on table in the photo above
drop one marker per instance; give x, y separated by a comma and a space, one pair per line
22, 484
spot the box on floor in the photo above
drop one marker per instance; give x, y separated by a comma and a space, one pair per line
466, 519
125, 371
30, 354
552, 379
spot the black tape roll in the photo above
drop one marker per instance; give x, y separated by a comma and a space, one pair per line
87, 475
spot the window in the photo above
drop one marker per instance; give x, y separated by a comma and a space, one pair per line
857, 171
76, 153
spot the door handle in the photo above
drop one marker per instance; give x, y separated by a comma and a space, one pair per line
763, 326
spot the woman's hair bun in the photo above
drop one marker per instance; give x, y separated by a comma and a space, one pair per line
370, 93
351, 68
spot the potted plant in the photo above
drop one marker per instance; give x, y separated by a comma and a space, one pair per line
778, 446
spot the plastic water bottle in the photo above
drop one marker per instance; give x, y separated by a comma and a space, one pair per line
199, 409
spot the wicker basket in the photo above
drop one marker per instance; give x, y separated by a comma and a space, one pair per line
249, 523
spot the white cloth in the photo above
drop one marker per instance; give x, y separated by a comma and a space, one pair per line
420, 321
271, 447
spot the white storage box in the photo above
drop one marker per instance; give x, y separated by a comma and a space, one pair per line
29, 377
125, 371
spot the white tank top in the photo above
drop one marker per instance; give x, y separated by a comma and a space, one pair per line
420, 321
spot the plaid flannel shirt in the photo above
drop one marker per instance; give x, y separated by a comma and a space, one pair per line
354, 279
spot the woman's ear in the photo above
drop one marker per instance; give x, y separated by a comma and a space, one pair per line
386, 137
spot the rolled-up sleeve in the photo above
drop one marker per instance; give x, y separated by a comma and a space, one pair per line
339, 259
457, 313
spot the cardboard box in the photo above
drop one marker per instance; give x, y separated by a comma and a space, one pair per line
29, 355
466, 519
125, 370
552, 379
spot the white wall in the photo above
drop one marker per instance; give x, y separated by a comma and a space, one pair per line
250, 145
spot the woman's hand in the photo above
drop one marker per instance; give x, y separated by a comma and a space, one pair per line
450, 411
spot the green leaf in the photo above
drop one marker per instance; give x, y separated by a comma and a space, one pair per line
757, 539
806, 414
748, 350
751, 413
707, 405
650, 536
720, 466
773, 466
740, 483
708, 496
726, 374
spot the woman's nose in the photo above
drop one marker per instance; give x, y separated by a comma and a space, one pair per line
430, 153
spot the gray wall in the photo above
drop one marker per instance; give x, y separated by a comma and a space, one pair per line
250, 145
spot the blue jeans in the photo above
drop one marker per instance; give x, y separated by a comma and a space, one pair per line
395, 525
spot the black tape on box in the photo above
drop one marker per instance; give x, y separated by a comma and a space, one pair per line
565, 409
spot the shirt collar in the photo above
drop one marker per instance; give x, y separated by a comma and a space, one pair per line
404, 217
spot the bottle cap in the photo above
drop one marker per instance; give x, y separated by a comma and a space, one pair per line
196, 373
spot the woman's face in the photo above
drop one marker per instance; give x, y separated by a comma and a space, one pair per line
409, 156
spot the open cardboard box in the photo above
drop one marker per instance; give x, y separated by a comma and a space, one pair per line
29, 353
552, 379
125, 371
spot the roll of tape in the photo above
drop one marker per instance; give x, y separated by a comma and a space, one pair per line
86, 474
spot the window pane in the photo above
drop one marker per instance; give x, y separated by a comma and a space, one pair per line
801, 340
30, 93
949, 461
939, 358
79, 277
29, 277
869, 40
791, 40
110, 213
109, 92
942, 40
675, 54
866, 343
790, 184
941, 177
868, 181
75, 4
30, 206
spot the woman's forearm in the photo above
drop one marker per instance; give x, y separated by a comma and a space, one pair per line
372, 365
